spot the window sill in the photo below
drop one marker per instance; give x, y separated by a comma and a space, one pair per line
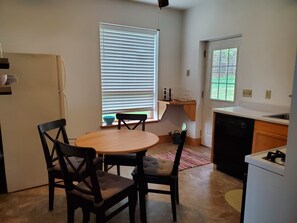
115, 123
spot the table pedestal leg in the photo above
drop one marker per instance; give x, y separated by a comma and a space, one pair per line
141, 186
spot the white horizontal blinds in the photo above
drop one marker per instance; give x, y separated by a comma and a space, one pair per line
128, 68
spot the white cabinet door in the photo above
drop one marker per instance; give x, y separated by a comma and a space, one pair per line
264, 194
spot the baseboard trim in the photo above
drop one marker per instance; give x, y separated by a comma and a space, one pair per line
164, 139
193, 142
190, 141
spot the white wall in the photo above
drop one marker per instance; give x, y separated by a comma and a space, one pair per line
266, 57
70, 28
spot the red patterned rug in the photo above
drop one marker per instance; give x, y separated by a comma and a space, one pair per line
188, 159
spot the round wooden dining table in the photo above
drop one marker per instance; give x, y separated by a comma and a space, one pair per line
115, 142
118, 141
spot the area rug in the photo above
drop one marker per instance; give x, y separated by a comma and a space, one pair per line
234, 198
188, 159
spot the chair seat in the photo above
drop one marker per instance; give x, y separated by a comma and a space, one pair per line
110, 185
76, 162
124, 156
101, 193
125, 160
157, 167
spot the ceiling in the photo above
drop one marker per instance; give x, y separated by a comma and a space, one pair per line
177, 4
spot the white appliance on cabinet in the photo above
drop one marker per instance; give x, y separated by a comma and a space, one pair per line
37, 98
265, 187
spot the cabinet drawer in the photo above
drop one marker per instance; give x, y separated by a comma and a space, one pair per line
268, 135
271, 127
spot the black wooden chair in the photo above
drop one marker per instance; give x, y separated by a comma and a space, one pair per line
48, 133
127, 159
164, 172
97, 193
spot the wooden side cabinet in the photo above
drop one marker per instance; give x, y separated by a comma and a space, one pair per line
268, 135
188, 106
6, 89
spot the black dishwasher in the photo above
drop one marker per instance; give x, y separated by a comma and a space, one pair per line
233, 137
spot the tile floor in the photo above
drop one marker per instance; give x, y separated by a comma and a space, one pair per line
202, 191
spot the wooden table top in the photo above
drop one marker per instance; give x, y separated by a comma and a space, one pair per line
118, 141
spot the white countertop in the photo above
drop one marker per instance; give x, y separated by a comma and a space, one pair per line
257, 160
252, 113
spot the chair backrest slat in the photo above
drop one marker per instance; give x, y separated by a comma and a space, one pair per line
48, 133
88, 186
123, 118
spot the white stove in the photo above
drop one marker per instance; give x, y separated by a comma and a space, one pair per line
272, 160
264, 187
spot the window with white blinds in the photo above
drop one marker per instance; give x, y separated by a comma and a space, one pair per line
129, 62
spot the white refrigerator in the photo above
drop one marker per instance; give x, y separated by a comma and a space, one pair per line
36, 98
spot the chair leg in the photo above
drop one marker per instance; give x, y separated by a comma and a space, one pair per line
101, 164
177, 191
51, 192
173, 200
146, 188
118, 170
70, 214
100, 216
86, 215
105, 167
132, 205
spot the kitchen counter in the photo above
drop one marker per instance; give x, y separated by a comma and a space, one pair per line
232, 126
253, 114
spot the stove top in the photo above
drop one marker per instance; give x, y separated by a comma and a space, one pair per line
277, 156
276, 165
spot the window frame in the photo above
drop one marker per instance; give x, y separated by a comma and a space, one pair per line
152, 113
235, 76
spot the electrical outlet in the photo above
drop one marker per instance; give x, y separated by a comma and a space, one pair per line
188, 73
247, 93
268, 94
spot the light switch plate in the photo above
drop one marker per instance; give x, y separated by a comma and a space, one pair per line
268, 94
188, 73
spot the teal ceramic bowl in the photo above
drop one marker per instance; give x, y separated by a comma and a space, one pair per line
108, 119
